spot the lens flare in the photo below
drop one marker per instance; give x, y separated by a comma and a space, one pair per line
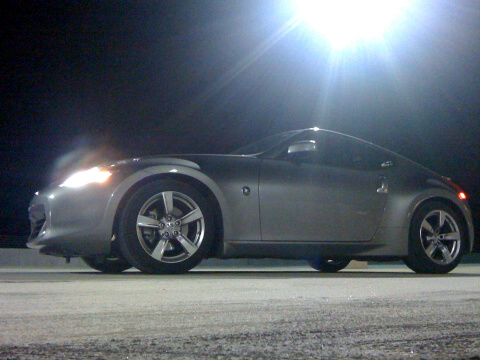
94, 175
345, 22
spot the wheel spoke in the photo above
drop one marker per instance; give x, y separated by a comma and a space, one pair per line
454, 236
168, 202
194, 215
431, 249
189, 247
160, 249
145, 221
441, 219
426, 225
446, 254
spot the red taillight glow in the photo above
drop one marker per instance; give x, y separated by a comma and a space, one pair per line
462, 196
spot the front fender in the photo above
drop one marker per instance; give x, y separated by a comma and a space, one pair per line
168, 169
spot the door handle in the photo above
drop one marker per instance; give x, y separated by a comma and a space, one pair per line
383, 189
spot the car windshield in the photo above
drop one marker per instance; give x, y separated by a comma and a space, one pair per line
264, 144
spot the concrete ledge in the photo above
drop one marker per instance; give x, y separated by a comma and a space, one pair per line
32, 258
27, 258
357, 265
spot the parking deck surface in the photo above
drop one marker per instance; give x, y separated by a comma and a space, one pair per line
240, 313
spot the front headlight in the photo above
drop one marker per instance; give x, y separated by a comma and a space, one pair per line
94, 175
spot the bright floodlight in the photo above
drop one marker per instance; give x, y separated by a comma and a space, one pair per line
345, 22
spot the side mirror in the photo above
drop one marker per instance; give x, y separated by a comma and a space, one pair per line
302, 146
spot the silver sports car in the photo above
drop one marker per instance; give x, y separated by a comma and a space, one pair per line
308, 194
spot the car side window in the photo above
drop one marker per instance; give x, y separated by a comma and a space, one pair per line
344, 152
336, 150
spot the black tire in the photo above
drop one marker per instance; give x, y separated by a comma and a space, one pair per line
436, 240
328, 266
106, 264
156, 235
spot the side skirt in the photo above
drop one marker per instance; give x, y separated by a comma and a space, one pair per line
392, 243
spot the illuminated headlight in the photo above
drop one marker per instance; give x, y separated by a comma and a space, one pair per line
94, 175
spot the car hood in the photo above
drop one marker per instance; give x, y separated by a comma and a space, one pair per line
188, 160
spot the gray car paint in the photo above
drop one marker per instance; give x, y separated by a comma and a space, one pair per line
272, 220
301, 202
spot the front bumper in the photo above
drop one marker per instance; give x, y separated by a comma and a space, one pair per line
71, 222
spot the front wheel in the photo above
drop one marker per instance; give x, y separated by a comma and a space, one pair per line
436, 240
166, 228
328, 266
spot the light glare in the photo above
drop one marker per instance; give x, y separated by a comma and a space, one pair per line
94, 175
344, 22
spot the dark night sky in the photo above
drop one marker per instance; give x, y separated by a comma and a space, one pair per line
87, 81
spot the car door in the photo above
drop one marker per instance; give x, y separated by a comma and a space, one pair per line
334, 189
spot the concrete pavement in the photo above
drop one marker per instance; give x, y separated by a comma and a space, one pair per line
291, 312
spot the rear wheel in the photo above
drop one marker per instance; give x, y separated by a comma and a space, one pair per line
108, 265
165, 228
329, 266
436, 241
